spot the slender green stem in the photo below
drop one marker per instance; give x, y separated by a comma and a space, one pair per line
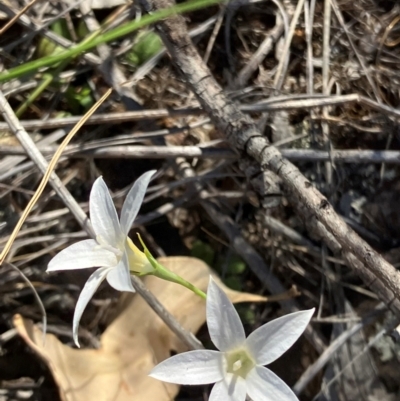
46, 81
165, 274
48, 78
114, 34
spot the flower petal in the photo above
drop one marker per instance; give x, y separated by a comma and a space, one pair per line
87, 293
264, 385
81, 255
271, 340
119, 277
103, 215
193, 367
226, 329
232, 388
133, 201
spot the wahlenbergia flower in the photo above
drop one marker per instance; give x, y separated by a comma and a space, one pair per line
112, 249
237, 368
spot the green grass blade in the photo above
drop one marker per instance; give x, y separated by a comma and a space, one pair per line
116, 33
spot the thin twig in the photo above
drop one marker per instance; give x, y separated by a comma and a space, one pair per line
17, 16
277, 103
161, 152
185, 336
285, 56
35, 294
282, 25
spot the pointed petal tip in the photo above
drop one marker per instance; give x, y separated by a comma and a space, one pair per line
268, 342
153, 374
193, 367
134, 200
309, 312
99, 178
211, 283
224, 325
150, 172
75, 337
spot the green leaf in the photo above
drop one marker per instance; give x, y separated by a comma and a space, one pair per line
79, 99
236, 265
246, 314
147, 44
203, 251
47, 47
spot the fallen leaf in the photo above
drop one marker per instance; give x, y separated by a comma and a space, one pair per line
133, 343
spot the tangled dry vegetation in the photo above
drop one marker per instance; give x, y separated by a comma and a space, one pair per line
317, 79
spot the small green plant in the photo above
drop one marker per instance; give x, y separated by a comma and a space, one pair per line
147, 44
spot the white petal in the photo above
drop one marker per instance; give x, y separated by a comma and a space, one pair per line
224, 325
193, 367
103, 215
119, 277
232, 388
264, 385
87, 293
271, 340
133, 201
83, 254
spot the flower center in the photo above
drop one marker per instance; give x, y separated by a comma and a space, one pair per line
138, 262
239, 362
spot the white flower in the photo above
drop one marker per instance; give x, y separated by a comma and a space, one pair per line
237, 368
112, 250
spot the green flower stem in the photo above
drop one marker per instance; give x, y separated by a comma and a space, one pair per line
161, 272
165, 274
113, 34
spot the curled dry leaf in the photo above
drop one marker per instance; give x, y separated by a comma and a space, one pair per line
133, 344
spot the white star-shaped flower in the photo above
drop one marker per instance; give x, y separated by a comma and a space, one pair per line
237, 368
112, 250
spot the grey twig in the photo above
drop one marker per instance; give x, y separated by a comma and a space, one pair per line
342, 22
33, 152
108, 151
282, 25
185, 336
272, 104
285, 56
244, 135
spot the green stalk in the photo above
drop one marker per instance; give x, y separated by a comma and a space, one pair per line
46, 81
165, 274
161, 272
114, 34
